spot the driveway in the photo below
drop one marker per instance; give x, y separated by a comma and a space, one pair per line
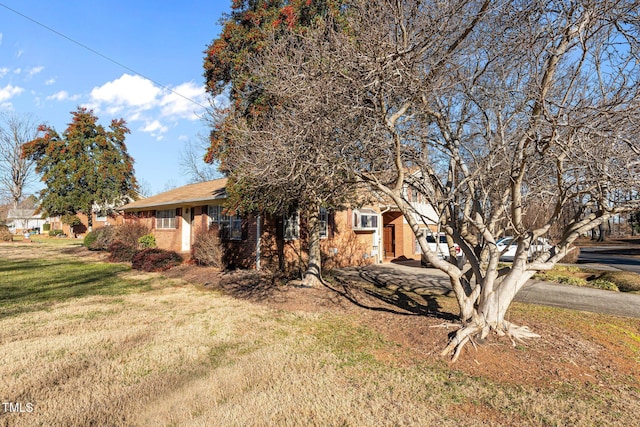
430, 281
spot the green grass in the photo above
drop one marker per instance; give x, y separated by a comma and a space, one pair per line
623, 281
36, 283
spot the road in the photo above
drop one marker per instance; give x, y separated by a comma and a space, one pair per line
429, 281
596, 255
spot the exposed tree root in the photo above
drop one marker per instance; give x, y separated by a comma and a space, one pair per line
473, 332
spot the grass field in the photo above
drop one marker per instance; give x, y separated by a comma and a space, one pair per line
89, 343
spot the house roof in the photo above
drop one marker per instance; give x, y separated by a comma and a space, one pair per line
187, 195
22, 214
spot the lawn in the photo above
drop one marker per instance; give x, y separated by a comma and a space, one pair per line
89, 343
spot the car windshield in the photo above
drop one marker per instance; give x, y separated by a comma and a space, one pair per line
507, 242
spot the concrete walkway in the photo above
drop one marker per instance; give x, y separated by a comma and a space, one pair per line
430, 281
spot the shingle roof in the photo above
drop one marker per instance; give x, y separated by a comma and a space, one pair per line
187, 195
22, 214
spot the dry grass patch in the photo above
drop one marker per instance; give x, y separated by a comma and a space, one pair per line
168, 353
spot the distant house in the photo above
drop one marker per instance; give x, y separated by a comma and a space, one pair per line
24, 220
372, 234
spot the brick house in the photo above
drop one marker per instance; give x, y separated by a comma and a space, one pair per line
371, 234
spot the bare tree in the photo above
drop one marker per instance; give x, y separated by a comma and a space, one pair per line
193, 164
16, 171
488, 109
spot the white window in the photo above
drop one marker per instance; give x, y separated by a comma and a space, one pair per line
101, 218
365, 219
291, 226
324, 223
166, 218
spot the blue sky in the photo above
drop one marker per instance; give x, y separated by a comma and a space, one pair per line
49, 76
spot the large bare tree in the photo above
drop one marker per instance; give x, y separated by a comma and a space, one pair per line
192, 161
489, 109
16, 171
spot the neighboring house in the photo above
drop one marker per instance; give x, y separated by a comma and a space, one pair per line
99, 220
24, 220
370, 234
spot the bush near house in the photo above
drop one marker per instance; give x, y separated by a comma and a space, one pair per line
154, 259
121, 251
89, 239
56, 233
147, 241
102, 238
207, 249
5, 234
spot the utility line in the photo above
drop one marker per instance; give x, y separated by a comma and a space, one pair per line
84, 46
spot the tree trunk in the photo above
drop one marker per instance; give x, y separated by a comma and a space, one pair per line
489, 316
312, 276
601, 233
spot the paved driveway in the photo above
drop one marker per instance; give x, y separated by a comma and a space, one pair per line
430, 281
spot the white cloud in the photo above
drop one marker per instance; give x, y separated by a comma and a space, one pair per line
63, 95
0, 39
35, 70
51, 81
3, 72
184, 102
127, 91
19, 53
138, 99
9, 92
154, 128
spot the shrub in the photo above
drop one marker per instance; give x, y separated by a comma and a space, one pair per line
121, 251
129, 233
604, 284
126, 233
5, 234
103, 238
207, 249
626, 281
55, 233
90, 239
46, 226
147, 241
154, 259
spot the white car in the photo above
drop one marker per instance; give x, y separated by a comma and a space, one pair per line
441, 248
507, 247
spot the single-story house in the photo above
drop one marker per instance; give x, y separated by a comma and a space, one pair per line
98, 221
372, 234
24, 220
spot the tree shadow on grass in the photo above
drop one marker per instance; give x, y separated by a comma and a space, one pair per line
31, 285
412, 292
251, 285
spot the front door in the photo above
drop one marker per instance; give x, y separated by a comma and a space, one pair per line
186, 229
388, 241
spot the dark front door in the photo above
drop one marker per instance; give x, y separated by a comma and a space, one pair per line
388, 239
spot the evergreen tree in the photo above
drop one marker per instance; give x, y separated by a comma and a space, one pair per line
87, 166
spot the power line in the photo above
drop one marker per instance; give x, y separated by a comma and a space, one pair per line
84, 46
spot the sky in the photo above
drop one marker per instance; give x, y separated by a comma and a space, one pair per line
142, 62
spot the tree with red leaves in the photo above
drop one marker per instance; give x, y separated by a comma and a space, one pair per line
85, 170
303, 180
